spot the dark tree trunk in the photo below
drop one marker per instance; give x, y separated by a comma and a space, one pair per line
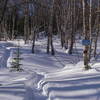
3, 11
50, 31
33, 44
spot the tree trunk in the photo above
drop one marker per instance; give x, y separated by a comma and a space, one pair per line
50, 31
3, 11
48, 44
98, 29
26, 23
90, 29
33, 44
95, 44
13, 27
72, 28
86, 35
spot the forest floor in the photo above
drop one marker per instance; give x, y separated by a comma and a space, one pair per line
47, 77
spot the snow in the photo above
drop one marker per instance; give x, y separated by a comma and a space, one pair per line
46, 77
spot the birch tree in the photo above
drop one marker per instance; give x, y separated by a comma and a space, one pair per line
26, 22
86, 34
97, 28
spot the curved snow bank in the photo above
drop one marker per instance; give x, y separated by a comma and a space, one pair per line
72, 84
10, 97
12, 87
19, 85
31, 86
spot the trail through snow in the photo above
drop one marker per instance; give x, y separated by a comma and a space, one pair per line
46, 77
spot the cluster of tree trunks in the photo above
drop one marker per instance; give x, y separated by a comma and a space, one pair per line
62, 17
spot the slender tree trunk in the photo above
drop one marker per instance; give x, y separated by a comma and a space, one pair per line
66, 40
3, 11
62, 38
33, 44
86, 36
26, 23
48, 44
90, 29
98, 30
13, 27
72, 28
0, 31
95, 44
50, 33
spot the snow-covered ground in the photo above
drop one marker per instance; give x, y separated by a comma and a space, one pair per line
46, 77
